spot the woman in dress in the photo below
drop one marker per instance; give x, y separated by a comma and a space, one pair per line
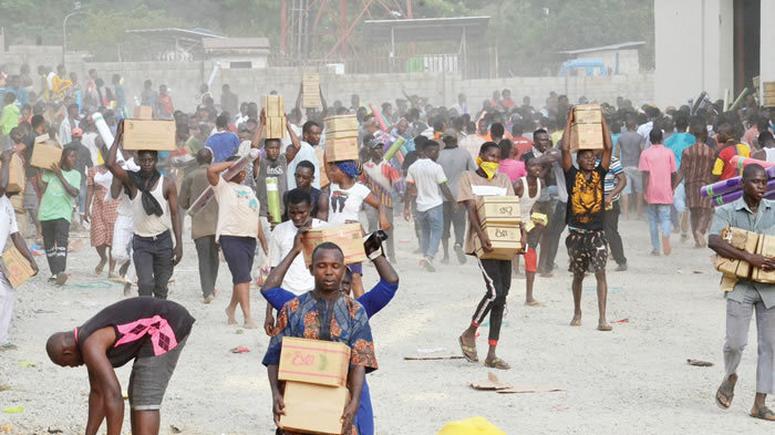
101, 212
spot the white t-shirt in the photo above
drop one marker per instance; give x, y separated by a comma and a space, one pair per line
426, 175
297, 280
7, 221
237, 210
306, 152
344, 204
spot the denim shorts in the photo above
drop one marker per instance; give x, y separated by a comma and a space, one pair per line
239, 253
150, 376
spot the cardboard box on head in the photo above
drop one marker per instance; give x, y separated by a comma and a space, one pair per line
45, 154
143, 134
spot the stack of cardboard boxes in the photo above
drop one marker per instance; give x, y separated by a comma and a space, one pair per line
349, 237
341, 138
315, 375
274, 107
769, 94
310, 91
750, 242
587, 127
499, 217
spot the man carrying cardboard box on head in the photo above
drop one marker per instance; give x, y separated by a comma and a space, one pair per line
324, 313
752, 213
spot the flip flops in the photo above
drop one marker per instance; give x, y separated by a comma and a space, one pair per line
764, 413
726, 392
497, 363
469, 352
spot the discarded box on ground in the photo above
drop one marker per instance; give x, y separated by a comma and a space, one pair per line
16, 180
499, 209
311, 408
143, 112
45, 154
338, 150
145, 134
349, 238
274, 105
275, 127
314, 361
341, 123
506, 241
765, 247
15, 267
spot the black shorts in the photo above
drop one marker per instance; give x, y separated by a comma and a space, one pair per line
587, 251
239, 253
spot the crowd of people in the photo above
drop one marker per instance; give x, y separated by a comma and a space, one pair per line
651, 163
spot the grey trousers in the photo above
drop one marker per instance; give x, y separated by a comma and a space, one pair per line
207, 254
738, 321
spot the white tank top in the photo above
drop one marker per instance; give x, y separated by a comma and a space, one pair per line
151, 225
526, 201
770, 154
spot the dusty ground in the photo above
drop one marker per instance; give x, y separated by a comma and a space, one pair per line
632, 380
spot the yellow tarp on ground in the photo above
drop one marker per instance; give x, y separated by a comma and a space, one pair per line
471, 426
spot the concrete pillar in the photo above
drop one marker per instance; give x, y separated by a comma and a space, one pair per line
767, 45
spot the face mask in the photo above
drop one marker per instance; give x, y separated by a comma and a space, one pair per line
489, 168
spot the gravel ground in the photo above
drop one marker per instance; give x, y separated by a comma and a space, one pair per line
632, 380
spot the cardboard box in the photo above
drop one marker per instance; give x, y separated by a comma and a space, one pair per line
143, 112
588, 114
15, 267
274, 105
310, 84
341, 122
311, 408
44, 154
143, 134
314, 361
349, 237
499, 209
769, 87
341, 134
338, 150
16, 180
740, 239
586, 137
506, 241
275, 127
765, 247
320, 154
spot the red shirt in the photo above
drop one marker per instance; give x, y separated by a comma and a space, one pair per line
522, 145
723, 167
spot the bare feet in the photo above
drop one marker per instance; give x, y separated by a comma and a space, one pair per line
100, 267
250, 324
209, 298
602, 325
230, 320
533, 303
666, 249
576, 320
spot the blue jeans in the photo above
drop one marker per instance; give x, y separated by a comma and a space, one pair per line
431, 224
659, 219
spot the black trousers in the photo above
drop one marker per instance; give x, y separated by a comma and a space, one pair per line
153, 263
611, 226
55, 239
550, 240
207, 254
454, 217
497, 280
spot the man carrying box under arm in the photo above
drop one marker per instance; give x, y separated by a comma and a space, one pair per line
301, 317
753, 213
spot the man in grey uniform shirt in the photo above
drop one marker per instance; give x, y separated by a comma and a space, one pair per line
455, 161
752, 213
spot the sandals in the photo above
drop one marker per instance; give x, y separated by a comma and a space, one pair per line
726, 392
469, 352
497, 363
764, 413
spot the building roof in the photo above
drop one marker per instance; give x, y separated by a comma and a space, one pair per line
621, 46
195, 34
426, 29
235, 43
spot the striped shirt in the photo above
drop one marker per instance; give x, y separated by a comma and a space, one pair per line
609, 183
698, 161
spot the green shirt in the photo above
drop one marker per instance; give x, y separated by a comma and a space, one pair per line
738, 214
56, 202
9, 118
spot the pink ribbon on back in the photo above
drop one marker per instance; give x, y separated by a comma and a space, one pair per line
161, 334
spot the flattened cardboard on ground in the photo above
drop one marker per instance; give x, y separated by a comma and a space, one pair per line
311, 408
314, 361
144, 134
15, 267
44, 154
494, 384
